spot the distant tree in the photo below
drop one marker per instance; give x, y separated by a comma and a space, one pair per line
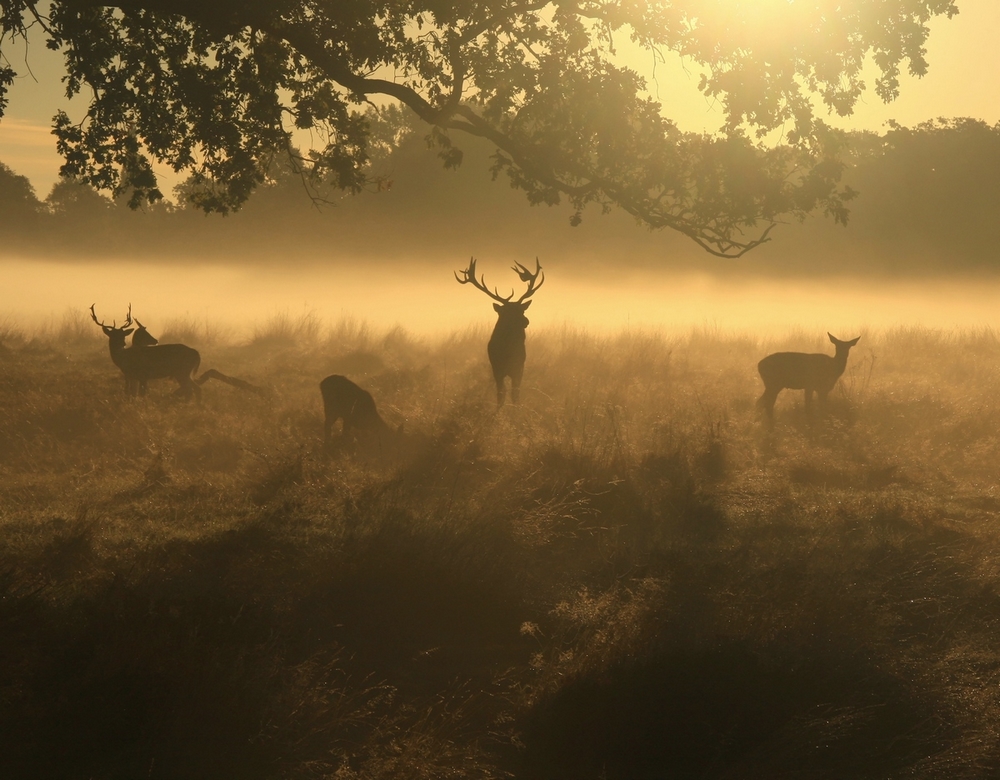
18, 205
930, 193
80, 217
215, 88
77, 199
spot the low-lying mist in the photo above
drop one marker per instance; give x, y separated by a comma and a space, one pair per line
426, 301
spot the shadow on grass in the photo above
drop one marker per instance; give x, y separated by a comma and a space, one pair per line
731, 711
247, 655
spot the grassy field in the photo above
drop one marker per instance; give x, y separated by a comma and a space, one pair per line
628, 576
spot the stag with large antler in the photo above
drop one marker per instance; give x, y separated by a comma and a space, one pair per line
149, 360
506, 347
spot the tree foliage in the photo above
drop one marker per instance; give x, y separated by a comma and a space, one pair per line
19, 207
216, 89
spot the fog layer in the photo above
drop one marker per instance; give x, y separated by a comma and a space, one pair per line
431, 303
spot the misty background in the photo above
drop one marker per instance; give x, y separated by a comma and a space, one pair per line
920, 248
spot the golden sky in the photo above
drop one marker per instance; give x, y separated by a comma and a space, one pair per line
964, 80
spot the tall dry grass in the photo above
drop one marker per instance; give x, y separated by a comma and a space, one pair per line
625, 576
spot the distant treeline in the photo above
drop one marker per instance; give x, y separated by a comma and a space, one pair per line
928, 201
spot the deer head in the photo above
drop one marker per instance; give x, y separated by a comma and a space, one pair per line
142, 337
509, 310
116, 336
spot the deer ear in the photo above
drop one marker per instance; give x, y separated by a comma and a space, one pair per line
527, 304
852, 343
128, 330
497, 307
832, 339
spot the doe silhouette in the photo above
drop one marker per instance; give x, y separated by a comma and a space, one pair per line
150, 360
802, 371
344, 400
506, 347
142, 337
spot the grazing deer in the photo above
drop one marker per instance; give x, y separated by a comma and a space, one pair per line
506, 347
139, 364
801, 371
344, 400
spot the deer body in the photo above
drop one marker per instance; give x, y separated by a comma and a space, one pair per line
802, 371
159, 361
344, 400
506, 348
150, 360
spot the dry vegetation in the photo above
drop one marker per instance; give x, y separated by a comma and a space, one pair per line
628, 576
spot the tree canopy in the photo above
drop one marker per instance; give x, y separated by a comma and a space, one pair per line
217, 89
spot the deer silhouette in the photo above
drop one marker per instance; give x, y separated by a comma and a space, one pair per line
140, 363
802, 371
506, 347
142, 337
344, 400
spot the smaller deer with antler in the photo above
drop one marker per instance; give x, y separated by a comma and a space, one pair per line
149, 360
506, 347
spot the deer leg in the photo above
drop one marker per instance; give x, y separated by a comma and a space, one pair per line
501, 389
351, 430
766, 402
187, 388
809, 398
515, 385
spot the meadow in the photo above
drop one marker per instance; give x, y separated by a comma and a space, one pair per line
626, 576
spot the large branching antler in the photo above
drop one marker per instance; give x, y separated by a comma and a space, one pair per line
527, 276
469, 277
93, 316
114, 323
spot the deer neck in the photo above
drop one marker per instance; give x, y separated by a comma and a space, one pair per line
840, 360
508, 329
117, 353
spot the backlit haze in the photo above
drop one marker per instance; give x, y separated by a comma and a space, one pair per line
422, 296
232, 300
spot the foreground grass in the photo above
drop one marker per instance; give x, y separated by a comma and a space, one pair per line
627, 576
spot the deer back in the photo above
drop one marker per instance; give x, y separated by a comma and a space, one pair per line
158, 361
